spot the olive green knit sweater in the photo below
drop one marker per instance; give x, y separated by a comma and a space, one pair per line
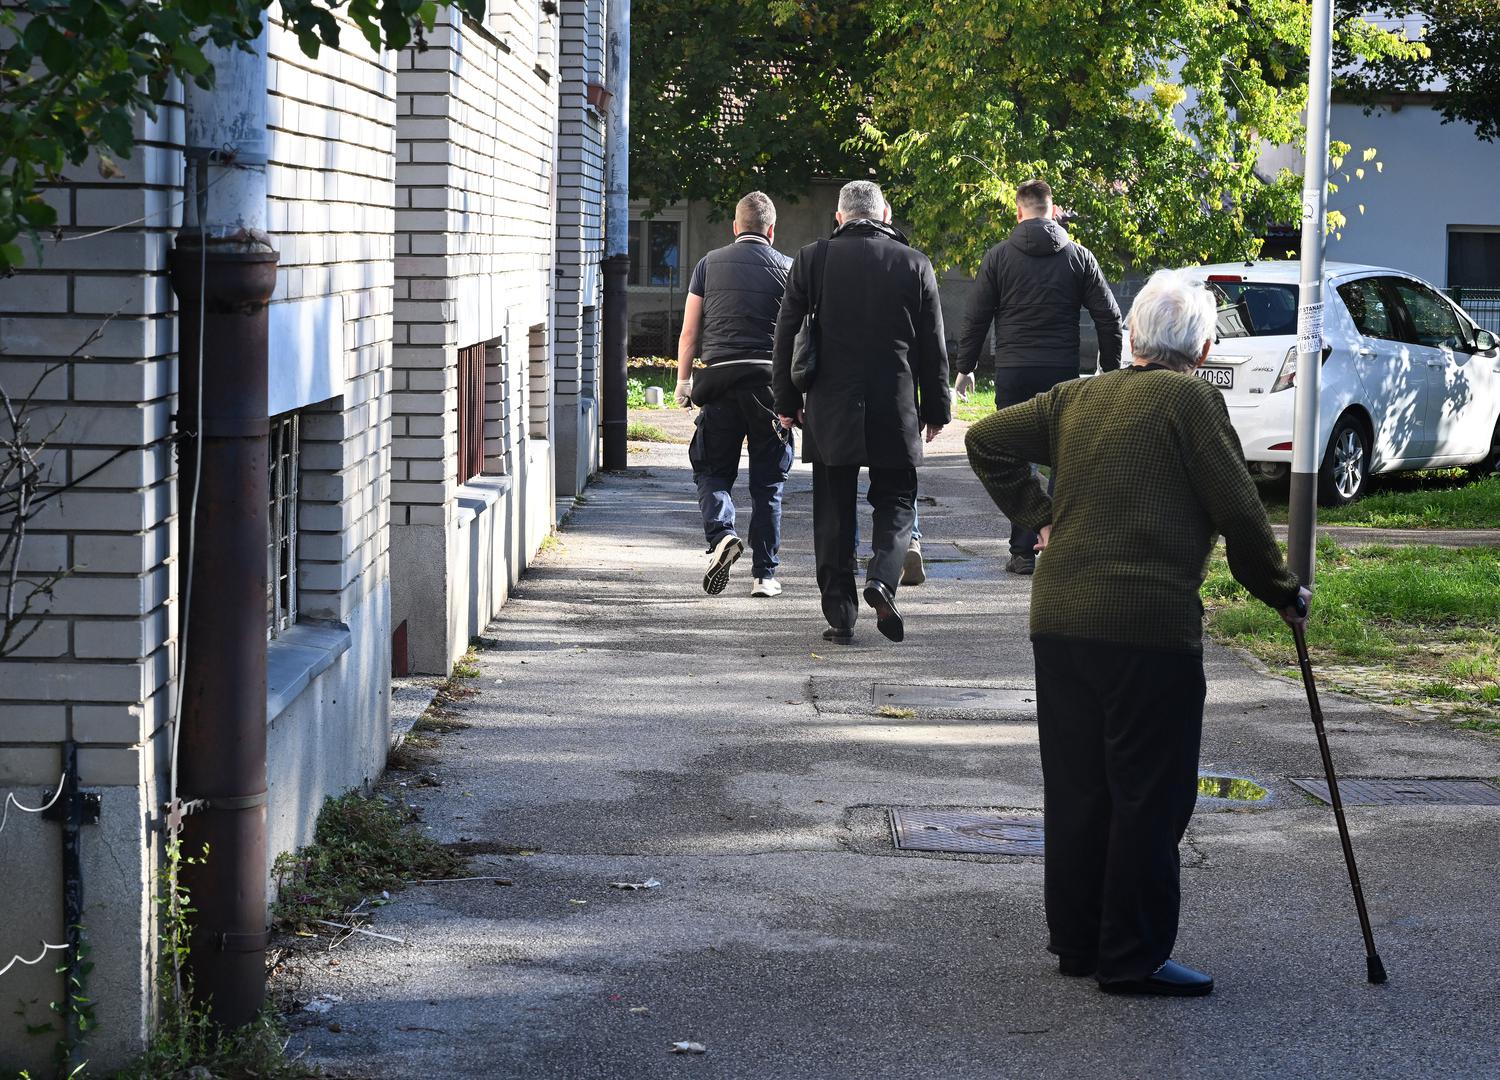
1148, 470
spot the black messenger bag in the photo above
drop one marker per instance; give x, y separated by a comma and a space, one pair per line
805, 347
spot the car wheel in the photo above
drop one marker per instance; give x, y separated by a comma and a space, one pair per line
1490, 463
1346, 464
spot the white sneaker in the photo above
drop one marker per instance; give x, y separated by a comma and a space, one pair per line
724, 555
912, 570
765, 586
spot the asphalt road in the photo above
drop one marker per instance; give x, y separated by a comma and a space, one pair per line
627, 728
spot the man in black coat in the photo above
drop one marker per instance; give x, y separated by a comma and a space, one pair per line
1030, 288
882, 377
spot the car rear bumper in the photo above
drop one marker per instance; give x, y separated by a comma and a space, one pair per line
1263, 424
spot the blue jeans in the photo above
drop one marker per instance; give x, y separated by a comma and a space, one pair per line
742, 415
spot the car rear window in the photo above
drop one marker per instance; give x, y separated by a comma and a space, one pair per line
1255, 309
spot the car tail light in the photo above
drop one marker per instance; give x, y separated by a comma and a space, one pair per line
1286, 378
1226, 277
1282, 446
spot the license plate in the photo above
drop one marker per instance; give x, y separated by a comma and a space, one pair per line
1222, 377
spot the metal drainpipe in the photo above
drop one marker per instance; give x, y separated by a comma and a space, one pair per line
223, 269
616, 264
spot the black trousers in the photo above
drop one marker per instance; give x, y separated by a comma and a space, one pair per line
1014, 385
1119, 731
893, 498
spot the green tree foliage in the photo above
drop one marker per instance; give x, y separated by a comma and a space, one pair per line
730, 96
1147, 116
75, 73
1461, 52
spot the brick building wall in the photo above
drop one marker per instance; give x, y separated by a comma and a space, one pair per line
580, 242
98, 669
476, 187
331, 215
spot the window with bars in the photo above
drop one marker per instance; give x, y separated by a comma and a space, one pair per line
281, 553
470, 412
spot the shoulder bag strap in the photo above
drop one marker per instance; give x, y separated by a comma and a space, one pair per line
819, 273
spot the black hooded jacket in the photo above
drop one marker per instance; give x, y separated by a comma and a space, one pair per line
1030, 287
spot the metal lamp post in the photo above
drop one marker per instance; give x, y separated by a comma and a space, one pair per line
1303, 505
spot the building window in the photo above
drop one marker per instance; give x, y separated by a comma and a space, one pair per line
471, 396
1474, 258
281, 555
656, 253
539, 384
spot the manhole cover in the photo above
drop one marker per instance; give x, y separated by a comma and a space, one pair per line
969, 832
990, 698
1399, 792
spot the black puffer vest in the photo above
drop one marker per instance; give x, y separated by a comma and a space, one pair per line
742, 287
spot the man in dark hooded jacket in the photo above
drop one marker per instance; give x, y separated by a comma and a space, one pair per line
881, 385
1030, 288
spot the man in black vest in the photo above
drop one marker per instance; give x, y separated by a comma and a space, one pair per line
881, 386
1030, 288
733, 299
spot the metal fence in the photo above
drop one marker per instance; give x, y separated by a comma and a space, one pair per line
1483, 306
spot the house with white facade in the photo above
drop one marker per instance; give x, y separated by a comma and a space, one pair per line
433, 374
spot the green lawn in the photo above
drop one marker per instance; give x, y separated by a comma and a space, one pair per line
1432, 499
1401, 624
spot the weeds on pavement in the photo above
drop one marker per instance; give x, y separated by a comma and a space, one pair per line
363, 846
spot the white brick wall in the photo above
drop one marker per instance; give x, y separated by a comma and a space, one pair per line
331, 212
580, 216
476, 194
98, 669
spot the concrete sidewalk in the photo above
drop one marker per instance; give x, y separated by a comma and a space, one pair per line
628, 727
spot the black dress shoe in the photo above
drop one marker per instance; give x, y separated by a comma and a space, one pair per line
839, 635
1170, 980
1076, 965
887, 618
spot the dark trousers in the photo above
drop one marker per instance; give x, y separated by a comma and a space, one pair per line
1119, 731
893, 498
742, 415
1014, 385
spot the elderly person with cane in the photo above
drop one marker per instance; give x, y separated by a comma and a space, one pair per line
1147, 471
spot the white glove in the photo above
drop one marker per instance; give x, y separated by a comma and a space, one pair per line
963, 385
683, 395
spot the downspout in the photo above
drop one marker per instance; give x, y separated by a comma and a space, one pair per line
616, 264
223, 269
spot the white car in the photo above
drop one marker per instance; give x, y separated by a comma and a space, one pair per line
1408, 381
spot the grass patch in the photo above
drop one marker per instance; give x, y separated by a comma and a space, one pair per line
980, 404
640, 431
895, 712
362, 847
642, 376
1402, 624
1429, 499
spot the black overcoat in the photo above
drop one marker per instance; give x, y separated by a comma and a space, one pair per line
882, 361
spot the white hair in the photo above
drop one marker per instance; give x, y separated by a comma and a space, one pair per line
1171, 319
861, 199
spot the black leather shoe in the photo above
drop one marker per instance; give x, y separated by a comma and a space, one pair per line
887, 618
1076, 965
1170, 980
839, 635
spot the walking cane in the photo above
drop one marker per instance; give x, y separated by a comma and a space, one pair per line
1372, 958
